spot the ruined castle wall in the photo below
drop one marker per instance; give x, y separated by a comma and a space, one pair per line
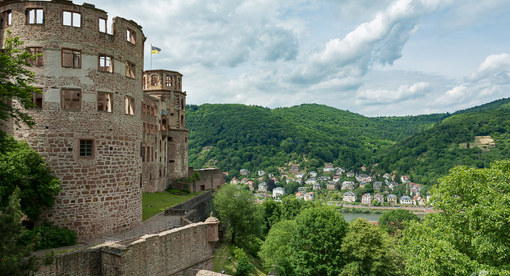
174, 252
101, 192
210, 179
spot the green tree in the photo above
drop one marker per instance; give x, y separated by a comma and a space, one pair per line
470, 232
236, 208
271, 213
21, 166
276, 249
394, 221
15, 80
369, 251
291, 207
15, 259
317, 241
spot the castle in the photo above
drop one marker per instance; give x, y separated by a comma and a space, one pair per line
109, 130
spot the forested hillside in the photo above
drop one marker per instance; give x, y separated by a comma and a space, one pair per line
474, 137
232, 136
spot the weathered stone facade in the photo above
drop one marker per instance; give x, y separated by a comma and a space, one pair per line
166, 86
210, 179
178, 251
105, 138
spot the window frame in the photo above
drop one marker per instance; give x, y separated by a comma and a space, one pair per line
130, 70
71, 98
7, 18
168, 81
92, 149
72, 13
35, 21
109, 97
107, 69
35, 97
73, 52
130, 36
129, 105
38, 61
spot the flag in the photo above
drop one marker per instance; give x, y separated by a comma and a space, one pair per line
155, 49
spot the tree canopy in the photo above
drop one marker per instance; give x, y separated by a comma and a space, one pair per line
235, 207
15, 81
469, 234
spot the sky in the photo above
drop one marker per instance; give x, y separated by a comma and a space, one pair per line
372, 57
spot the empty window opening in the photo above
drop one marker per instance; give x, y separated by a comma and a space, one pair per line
38, 59
71, 19
154, 80
7, 18
182, 119
142, 153
35, 16
168, 81
105, 64
182, 103
70, 99
129, 104
170, 139
37, 99
86, 148
71, 58
130, 36
104, 101
130, 70
171, 161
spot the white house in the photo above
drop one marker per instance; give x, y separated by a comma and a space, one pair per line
278, 191
349, 197
262, 187
309, 196
366, 199
405, 200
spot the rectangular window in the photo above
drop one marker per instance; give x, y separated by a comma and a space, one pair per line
71, 58
37, 99
86, 148
71, 19
70, 99
102, 25
104, 101
130, 36
143, 153
38, 61
130, 70
7, 18
129, 104
105, 64
35, 16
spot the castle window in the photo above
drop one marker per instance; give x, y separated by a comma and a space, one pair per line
7, 18
70, 99
102, 25
37, 99
36, 51
130, 70
154, 80
130, 36
182, 103
168, 81
104, 101
86, 148
35, 16
71, 58
71, 19
142, 152
129, 105
105, 64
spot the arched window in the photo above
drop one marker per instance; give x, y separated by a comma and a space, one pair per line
154, 80
168, 81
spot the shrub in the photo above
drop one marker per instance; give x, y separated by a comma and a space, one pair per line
49, 236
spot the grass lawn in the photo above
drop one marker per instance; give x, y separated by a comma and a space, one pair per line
161, 201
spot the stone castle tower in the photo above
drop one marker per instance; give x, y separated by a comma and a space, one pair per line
95, 125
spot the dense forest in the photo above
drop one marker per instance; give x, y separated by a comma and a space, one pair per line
234, 136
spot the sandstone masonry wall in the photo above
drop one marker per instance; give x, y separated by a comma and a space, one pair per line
100, 193
174, 252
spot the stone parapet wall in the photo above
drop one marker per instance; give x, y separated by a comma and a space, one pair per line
210, 179
180, 251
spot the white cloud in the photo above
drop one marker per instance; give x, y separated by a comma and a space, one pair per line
385, 96
495, 68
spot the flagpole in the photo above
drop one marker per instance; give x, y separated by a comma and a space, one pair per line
151, 56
